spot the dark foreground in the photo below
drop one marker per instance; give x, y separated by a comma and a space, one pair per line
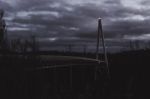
24, 78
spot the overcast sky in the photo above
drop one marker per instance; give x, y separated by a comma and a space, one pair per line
75, 21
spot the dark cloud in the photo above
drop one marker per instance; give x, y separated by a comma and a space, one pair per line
66, 20
5, 6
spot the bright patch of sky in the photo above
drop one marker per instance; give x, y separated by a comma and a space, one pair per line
74, 29
134, 4
18, 29
51, 39
55, 5
139, 37
12, 2
82, 2
27, 14
131, 18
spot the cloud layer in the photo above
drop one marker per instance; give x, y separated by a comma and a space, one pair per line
76, 20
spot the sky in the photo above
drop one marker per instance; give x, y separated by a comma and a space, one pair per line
62, 22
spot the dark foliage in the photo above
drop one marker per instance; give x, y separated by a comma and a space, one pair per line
128, 70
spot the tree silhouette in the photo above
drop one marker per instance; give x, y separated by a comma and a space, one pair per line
134, 45
15, 45
85, 49
3, 36
2, 27
131, 45
34, 44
